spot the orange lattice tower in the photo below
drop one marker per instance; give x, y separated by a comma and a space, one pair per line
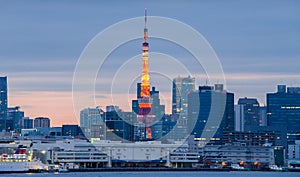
144, 114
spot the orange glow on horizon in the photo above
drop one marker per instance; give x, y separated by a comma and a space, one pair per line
58, 106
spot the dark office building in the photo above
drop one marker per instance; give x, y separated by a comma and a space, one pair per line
157, 109
71, 130
283, 108
3, 103
138, 90
168, 124
263, 116
211, 113
251, 113
26, 123
119, 125
135, 106
14, 116
135, 103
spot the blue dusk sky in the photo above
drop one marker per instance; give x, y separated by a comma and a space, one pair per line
257, 42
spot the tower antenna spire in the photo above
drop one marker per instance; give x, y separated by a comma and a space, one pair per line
145, 17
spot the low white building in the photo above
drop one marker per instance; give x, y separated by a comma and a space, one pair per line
105, 153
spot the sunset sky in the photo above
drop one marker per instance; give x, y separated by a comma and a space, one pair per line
257, 42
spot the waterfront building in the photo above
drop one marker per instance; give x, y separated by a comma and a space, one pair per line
83, 154
76, 153
254, 138
247, 156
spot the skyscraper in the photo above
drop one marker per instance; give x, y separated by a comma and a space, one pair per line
14, 117
210, 122
251, 113
119, 125
239, 118
3, 103
90, 117
283, 108
182, 86
263, 116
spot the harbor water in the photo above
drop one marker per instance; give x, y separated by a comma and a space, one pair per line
159, 174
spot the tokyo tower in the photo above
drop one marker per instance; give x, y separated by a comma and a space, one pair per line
144, 113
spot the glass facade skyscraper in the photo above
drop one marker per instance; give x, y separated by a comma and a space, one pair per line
182, 86
90, 117
210, 113
251, 113
3, 103
283, 108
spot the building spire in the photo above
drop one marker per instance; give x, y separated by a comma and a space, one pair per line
145, 89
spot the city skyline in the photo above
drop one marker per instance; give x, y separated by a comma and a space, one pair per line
40, 73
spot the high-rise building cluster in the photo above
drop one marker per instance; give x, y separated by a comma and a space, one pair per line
206, 115
12, 118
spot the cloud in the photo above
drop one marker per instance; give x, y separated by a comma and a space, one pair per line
257, 44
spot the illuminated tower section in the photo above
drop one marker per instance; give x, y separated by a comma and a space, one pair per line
144, 114
145, 86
